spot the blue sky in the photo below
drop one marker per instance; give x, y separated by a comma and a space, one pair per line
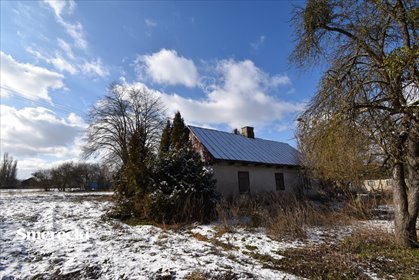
222, 64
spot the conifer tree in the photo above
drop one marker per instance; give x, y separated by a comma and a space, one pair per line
183, 186
135, 179
165, 139
180, 133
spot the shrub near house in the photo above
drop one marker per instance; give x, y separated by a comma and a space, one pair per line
177, 187
184, 188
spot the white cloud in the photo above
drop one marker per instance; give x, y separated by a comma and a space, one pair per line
57, 6
285, 126
75, 30
75, 120
32, 81
279, 80
91, 68
38, 132
37, 129
35, 53
60, 5
95, 67
71, 4
66, 48
258, 43
241, 99
241, 95
27, 166
57, 61
150, 23
63, 65
167, 67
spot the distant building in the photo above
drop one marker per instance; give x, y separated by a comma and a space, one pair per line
244, 164
378, 185
29, 183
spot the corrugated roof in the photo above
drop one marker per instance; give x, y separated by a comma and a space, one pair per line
232, 147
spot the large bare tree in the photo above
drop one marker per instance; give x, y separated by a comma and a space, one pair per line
123, 112
371, 51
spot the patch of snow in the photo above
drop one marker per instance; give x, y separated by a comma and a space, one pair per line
113, 250
379, 224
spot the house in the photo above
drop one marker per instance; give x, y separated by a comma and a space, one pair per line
244, 164
29, 183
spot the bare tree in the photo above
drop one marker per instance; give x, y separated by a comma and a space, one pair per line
114, 119
8, 172
43, 179
371, 50
70, 175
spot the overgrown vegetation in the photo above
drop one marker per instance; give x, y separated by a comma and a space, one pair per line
287, 217
183, 187
365, 251
364, 114
173, 187
159, 177
283, 216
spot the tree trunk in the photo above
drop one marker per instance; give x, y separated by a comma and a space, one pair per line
413, 179
400, 201
406, 195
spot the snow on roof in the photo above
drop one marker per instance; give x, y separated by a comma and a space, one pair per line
232, 147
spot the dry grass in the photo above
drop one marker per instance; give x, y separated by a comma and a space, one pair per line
364, 206
290, 221
200, 275
217, 243
196, 275
365, 251
283, 216
200, 237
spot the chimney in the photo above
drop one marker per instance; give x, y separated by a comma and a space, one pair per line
247, 131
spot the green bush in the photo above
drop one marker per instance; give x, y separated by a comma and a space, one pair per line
183, 189
174, 186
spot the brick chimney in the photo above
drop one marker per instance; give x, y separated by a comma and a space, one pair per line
247, 131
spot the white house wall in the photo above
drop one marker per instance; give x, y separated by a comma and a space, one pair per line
262, 179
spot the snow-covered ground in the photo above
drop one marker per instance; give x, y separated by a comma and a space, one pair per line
92, 246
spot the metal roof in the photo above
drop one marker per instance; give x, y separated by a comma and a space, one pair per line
232, 147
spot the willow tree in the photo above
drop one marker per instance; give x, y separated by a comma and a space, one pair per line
370, 49
336, 151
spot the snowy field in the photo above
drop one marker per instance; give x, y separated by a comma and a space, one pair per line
66, 236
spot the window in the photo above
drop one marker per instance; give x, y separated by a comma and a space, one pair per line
244, 185
279, 181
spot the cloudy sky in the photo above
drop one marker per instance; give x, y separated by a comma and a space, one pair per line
222, 64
